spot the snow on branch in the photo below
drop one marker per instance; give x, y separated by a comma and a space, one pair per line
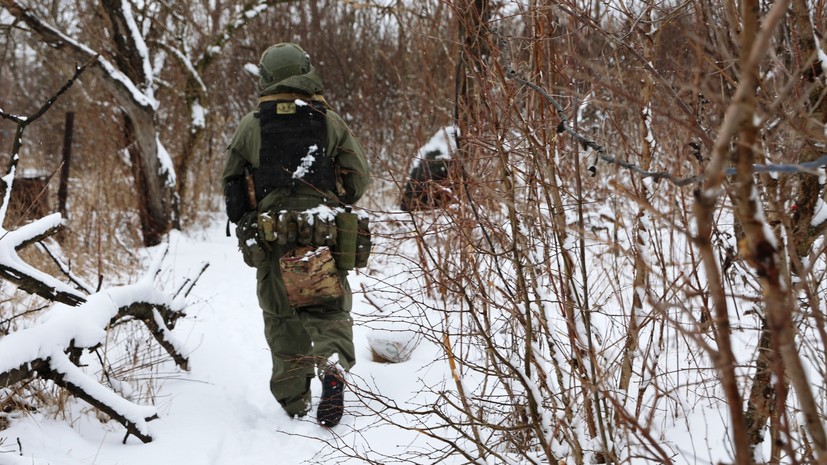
53, 250
139, 45
194, 66
40, 351
245, 13
25, 276
80, 322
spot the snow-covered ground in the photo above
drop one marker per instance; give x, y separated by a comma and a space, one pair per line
222, 412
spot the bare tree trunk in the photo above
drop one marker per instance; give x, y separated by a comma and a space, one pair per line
738, 114
156, 182
157, 179
762, 395
765, 399
472, 26
759, 250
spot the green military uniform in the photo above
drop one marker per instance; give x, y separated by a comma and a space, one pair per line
300, 339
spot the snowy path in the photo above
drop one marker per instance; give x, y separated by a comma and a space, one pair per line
222, 412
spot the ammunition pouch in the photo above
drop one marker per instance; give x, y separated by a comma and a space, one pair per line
304, 228
347, 235
346, 230
310, 277
252, 250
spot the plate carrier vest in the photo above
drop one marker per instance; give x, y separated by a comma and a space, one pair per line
293, 147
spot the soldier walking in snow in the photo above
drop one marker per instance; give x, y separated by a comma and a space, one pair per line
293, 169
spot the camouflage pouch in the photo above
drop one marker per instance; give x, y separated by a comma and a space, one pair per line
310, 277
247, 234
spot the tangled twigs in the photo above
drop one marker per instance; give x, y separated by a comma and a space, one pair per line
599, 152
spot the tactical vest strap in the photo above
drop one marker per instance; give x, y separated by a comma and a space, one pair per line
289, 96
293, 146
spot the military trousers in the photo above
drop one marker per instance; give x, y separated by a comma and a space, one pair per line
302, 340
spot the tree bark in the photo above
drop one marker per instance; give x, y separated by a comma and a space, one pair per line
737, 119
811, 124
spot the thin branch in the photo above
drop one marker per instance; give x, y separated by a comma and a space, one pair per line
189, 283
79, 283
811, 168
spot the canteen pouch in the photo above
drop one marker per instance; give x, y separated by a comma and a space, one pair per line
347, 225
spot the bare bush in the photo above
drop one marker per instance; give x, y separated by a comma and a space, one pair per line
619, 267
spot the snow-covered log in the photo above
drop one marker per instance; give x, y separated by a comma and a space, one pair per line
23, 275
67, 375
41, 351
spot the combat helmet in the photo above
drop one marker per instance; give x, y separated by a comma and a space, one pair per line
282, 61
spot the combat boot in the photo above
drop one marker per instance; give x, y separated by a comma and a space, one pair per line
331, 406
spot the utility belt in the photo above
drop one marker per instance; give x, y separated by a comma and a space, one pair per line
344, 232
321, 243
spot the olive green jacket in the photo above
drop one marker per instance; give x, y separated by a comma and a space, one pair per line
353, 176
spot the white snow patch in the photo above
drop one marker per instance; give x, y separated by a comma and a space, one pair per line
199, 115
322, 212
165, 161
257, 10
820, 215
306, 162
443, 141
